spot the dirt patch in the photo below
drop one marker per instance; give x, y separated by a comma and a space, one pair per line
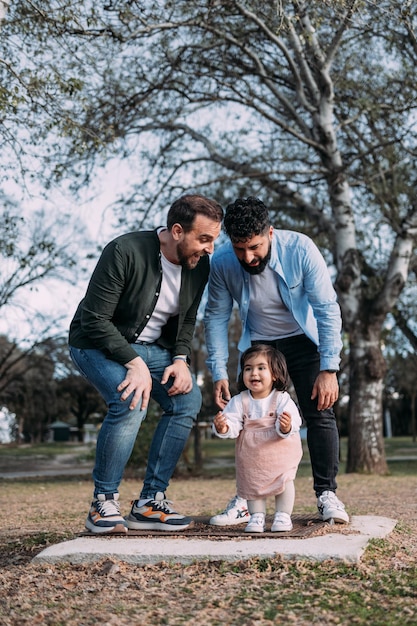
256, 592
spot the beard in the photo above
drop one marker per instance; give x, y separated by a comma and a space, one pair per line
257, 269
187, 261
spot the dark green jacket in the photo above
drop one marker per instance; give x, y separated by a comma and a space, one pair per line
122, 294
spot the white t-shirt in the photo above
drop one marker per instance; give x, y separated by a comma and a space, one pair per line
168, 301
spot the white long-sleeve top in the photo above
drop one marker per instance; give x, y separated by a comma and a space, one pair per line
233, 411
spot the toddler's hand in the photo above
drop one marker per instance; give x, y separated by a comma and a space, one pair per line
285, 423
220, 423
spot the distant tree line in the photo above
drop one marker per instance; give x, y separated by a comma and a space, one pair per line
41, 385
310, 105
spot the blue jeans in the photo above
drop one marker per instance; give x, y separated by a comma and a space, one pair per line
121, 425
303, 362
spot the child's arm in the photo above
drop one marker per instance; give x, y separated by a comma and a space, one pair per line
220, 424
228, 423
289, 418
285, 423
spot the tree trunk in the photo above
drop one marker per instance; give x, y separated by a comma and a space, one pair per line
367, 367
366, 452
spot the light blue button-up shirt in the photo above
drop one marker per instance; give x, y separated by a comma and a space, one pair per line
305, 287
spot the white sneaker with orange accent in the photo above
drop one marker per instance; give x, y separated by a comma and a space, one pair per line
156, 514
104, 515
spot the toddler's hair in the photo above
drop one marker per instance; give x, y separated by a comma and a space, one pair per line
276, 362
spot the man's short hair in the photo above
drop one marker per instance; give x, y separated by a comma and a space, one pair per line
184, 211
246, 218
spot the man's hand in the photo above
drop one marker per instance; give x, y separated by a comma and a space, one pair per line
326, 390
180, 372
137, 381
221, 393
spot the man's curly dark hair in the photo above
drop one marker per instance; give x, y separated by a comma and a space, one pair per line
246, 218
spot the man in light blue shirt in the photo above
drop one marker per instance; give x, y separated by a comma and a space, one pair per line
282, 286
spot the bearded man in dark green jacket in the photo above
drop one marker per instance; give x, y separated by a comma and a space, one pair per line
131, 338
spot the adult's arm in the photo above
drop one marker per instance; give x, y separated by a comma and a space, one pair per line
326, 390
98, 308
216, 322
323, 300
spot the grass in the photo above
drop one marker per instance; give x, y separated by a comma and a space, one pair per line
219, 453
46, 450
212, 448
398, 446
380, 590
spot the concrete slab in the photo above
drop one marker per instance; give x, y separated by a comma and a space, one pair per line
340, 546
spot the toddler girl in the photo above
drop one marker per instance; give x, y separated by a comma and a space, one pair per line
266, 423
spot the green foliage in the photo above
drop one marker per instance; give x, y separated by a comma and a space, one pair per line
242, 118
309, 105
40, 385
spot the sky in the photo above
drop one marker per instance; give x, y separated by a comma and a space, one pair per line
54, 298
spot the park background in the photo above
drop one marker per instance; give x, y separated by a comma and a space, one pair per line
110, 111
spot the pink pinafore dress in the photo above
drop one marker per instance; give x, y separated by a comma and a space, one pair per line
264, 460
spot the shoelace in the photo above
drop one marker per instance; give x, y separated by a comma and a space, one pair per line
332, 499
231, 504
108, 507
163, 505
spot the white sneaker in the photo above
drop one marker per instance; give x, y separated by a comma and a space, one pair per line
330, 508
282, 522
256, 523
236, 512
104, 515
